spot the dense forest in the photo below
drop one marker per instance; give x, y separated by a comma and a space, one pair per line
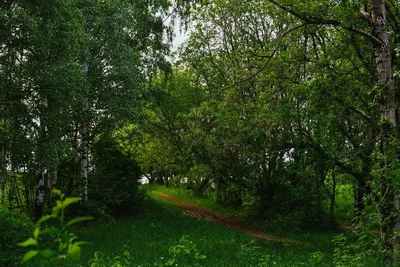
275, 108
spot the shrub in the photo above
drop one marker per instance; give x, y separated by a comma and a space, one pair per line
360, 249
14, 227
115, 179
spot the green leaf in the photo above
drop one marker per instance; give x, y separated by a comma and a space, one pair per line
65, 237
45, 218
47, 253
70, 200
57, 192
78, 219
55, 261
74, 251
29, 255
79, 243
36, 232
52, 230
29, 242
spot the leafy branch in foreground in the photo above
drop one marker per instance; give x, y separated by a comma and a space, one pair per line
67, 244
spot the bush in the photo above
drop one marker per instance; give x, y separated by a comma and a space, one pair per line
115, 179
360, 249
15, 226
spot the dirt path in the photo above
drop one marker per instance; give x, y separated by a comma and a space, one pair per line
226, 221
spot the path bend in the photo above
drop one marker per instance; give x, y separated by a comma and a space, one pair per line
225, 221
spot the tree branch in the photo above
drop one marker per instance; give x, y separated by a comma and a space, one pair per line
270, 56
308, 19
358, 176
374, 40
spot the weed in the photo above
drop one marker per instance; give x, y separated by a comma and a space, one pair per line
67, 244
185, 249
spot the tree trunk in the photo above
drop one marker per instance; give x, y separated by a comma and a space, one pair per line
12, 185
333, 197
85, 155
85, 145
384, 64
265, 190
166, 179
387, 105
359, 204
40, 184
3, 173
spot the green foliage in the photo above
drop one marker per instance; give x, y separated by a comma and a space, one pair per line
254, 255
114, 183
220, 245
65, 65
183, 253
100, 260
14, 227
258, 113
183, 250
359, 250
68, 247
191, 197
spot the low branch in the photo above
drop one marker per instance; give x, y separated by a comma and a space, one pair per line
347, 169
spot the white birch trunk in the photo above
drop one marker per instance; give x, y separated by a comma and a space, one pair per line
39, 198
85, 152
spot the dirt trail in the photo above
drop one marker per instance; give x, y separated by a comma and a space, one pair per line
226, 221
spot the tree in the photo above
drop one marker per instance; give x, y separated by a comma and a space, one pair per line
233, 48
376, 15
50, 103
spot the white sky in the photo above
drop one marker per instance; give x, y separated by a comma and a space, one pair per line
179, 38
180, 35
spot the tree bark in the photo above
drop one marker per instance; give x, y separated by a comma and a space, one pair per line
384, 64
85, 152
359, 204
85, 143
383, 60
3, 174
333, 197
12, 185
40, 188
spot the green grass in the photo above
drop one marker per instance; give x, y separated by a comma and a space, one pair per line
191, 197
344, 203
149, 236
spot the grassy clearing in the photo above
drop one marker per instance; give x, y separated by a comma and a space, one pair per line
149, 237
